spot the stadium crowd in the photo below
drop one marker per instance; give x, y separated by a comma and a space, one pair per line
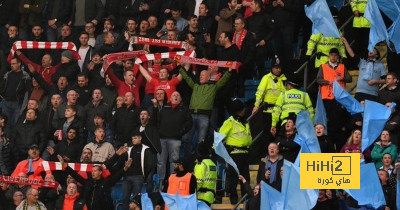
88, 124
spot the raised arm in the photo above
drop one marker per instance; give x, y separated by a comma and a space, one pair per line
348, 48
144, 72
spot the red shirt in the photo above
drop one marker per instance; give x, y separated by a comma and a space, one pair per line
123, 88
46, 73
169, 86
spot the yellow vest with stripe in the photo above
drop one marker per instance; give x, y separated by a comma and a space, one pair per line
292, 100
237, 135
322, 44
268, 91
360, 22
206, 175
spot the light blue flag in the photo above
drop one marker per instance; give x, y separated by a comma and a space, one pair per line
389, 7
221, 150
344, 98
304, 198
394, 34
178, 202
375, 117
370, 192
318, 12
398, 195
146, 202
378, 31
320, 113
271, 198
202, 206
305, 136
170, 201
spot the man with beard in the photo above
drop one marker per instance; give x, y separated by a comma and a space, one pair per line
68, 149
182, 182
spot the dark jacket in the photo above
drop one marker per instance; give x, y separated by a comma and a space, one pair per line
48, 196
85, 94
262, 169
127, 9
325, 145
385, 95
30, 16
96, 80
60, 10
147, 161
69, 70
174, 122
261, 24
24, 84
123, 122
9, 12
287, 147
80, 130
26, 134
151, 137
97, 192
94, 10
90, 109
5, 158
71, 150
285, 16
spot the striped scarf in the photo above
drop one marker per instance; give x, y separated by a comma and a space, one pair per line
21, 45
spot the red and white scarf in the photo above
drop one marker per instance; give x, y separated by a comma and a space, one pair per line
113, 57
164, 55
201, 61
26, 181
159, 42
21, 45
242, 35
56, 166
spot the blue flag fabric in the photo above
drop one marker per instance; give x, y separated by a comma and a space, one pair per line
370, 192
271, 198
375, 117
320, 113
318, 12
178, 202
389, 7
398, 195
394, 34
221, 150
305, 136
202, 206
146, 202
304, 199
378, 31
344, 98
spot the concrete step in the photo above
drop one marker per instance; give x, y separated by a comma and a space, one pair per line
224, 206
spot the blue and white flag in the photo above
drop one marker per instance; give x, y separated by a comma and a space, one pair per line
389, 7
370, 192
394, 34
202, 206
375, 117
320, 15
344, 98
221, 151
378, 31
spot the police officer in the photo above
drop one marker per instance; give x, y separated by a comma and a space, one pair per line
292, 100
360, 24
322, 44
237, 142
205, 172
270, 88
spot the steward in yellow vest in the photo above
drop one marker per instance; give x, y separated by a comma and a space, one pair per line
205, 171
